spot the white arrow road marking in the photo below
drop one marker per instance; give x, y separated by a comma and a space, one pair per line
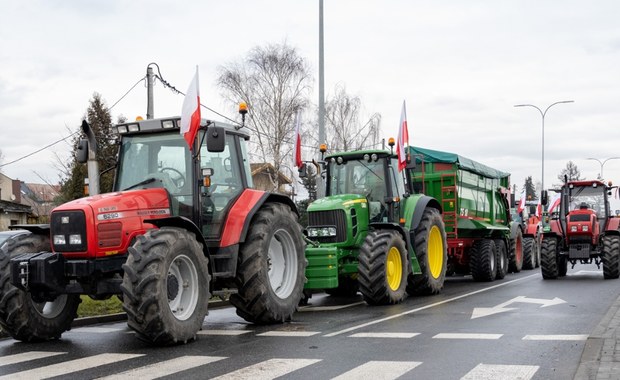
486, 311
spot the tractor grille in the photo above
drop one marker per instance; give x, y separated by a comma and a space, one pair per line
580, 218
579, 251
329, 218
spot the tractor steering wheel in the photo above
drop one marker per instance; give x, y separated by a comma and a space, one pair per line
178, 179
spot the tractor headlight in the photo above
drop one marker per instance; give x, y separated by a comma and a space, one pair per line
584, 228
60, 240
321, 231
75, 239
573, 228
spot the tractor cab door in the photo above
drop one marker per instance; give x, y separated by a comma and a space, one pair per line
396, 184
230, 177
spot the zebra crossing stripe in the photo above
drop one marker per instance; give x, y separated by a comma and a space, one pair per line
556, 337
268, 369
164, 368
384, 370
70, 366
504, 372
224, 332
289, 333
384, 335
467, 336
27, 356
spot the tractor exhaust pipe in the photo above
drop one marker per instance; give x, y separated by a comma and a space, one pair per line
89, 145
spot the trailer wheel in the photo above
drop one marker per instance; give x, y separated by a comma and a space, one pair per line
431, 251
347, 287
611, 256
482, 263
166, 286
501, 258
529, 253
22, 317
271, 267
549, 258
516, 252
383, 268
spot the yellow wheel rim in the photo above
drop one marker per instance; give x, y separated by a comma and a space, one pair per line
434, 252
394, 268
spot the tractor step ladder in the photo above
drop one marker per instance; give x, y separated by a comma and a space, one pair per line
449, 204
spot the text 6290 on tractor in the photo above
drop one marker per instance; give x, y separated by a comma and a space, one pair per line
372, 233
582, 231
181, 225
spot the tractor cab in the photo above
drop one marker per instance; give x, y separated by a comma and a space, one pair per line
584, 210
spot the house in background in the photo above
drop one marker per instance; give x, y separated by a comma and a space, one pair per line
40, 197
12, 211
261, 173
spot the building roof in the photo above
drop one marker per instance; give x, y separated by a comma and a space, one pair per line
266, 167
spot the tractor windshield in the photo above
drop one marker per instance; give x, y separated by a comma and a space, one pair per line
358, 177
588, 197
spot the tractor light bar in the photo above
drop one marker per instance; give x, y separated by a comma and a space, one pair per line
133, 127
323, 231
120, 129
166, 124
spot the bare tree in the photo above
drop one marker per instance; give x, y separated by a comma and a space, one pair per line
275, 82
571, 172
345, 128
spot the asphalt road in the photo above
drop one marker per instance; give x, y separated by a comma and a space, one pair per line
521, 327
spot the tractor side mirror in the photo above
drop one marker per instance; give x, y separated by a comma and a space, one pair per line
82, 151
544, 198
216, 139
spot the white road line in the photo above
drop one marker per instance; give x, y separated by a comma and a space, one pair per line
164, 368
289, 333
329, 308
268, 369
498, 371
27, 356
384, 370
384, 335
98, 330
556, 337
224, 332
427, 306
70, 366
467, 336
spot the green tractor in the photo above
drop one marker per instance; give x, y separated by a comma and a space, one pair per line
371, 233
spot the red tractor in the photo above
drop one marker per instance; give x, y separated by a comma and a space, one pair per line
532, 234
180, 226
582, 231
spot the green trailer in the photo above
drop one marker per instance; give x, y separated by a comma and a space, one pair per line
372, 233
482, 239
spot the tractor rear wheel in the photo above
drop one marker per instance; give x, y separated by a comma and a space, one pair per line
549, 258
482, 263
431, 251
22, 317
611, 256
516, 253
166, 286
383, 267
271, 267
501, 258
529, 253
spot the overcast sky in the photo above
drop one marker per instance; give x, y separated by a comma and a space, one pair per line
461, 66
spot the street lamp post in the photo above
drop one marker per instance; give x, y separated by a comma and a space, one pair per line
543, 131
602, 163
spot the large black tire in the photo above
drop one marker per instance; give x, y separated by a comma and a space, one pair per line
529, 252
611, 256
271, 267
347, 287
549, 258
482, 263
516, 253
20, 316
383, 268
431, 251
166, 286
501, 258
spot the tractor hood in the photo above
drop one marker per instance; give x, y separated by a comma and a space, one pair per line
342, 202
145, 202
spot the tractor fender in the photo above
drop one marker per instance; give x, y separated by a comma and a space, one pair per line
37, 229
613, 227
180, 222
514, 227
422, 203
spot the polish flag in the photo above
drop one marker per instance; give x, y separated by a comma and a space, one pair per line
538, 209
190, 114
297, 148
521, 206
555, 202
403, 138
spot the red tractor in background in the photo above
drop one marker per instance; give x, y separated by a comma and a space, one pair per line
583, 231
180, 226
532, 234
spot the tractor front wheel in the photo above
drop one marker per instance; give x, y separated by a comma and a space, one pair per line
611, 256
271, 267
22, 317
431, 251
166, 286
383, 268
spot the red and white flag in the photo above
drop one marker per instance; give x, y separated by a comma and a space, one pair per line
403, 138
297, 148
555, 202
521, 206
538, 209
190, 114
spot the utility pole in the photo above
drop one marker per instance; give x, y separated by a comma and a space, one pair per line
320, 184
149, 92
